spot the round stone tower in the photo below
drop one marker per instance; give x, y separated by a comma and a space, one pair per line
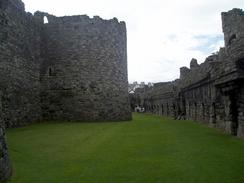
84, 69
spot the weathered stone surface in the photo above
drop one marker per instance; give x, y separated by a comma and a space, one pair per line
5, 167
19, 64
84, 70
212, 92
71, 68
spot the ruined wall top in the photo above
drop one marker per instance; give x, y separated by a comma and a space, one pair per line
233, 26
218, 68
193, 63
77, 19
218, 65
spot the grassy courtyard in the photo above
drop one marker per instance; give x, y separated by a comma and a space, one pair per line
148, 149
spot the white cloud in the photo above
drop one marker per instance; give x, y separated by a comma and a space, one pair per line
163, 35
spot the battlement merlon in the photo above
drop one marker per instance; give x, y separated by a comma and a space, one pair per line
184, 71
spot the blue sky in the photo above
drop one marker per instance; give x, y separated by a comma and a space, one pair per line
209, 43
163, 35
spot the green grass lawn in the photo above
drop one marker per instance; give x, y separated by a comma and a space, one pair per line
147, 149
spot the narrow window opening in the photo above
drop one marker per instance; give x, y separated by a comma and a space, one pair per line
189, 109
203, 112
167, 109
183, 107
195, 112
232, 38
50, 72
45, 20
213, 113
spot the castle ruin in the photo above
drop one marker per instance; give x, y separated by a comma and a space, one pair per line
75, 68
69, 68
212, 92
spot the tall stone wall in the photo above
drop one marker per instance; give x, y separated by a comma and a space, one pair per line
160, 99
72, 68
211, 92
84, 69
19, 64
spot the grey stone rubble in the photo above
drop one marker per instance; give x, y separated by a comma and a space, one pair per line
212, 92
71, 68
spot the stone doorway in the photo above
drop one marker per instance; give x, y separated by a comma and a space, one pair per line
234, 113
162, 109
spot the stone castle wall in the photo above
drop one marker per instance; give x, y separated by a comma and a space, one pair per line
19, 64
84, 69
72, 68
211, 92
